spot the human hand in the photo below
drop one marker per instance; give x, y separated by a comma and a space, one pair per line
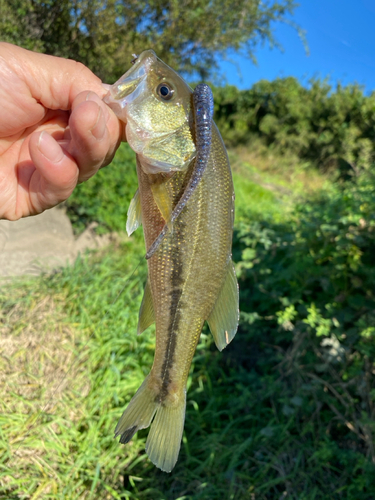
55, 131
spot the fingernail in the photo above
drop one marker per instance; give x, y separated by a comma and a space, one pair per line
49, 148
99, 128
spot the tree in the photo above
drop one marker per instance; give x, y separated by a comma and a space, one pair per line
190, 35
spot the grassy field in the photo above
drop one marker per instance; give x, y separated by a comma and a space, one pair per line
265, 418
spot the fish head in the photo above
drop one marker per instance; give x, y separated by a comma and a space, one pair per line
156, 105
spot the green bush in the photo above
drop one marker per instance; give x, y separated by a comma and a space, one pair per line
308, 325
323, 126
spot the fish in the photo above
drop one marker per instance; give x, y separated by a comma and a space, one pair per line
185, 203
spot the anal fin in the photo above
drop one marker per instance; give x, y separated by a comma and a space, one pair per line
223, 320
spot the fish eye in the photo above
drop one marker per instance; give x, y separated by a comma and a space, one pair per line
165, 91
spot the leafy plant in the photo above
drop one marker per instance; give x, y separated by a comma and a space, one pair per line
329, 128
103, 34
308, 300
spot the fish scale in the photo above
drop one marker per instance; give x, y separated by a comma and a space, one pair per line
190, 273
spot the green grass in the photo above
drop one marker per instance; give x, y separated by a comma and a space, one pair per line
267, 418
65, 377
254, 201
250, 429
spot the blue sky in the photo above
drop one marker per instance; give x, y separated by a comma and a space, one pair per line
341, 40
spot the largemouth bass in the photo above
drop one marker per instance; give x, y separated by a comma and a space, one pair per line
185, 203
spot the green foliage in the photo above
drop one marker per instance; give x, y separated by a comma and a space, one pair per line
70, 430
103, 34
325, 127
307, 289
19, 25
319, 264
105, 198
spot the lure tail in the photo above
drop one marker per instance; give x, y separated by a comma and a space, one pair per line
164, 440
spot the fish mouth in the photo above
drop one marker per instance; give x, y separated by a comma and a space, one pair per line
131, 84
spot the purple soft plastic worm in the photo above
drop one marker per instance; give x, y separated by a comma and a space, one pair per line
203, 112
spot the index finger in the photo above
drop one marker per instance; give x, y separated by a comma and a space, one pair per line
53, 81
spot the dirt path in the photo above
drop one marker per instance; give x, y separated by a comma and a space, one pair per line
41, 243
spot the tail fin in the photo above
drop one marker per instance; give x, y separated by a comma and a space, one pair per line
164, 440
138, 414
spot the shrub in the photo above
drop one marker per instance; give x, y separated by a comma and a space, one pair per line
323, 126
308, 300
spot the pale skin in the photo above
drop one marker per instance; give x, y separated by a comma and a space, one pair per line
55, 131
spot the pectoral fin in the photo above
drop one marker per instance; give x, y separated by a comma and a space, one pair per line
162, 199
146, 312
134, 219
223, 320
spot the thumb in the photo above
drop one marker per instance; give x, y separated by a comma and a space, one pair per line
56, 172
